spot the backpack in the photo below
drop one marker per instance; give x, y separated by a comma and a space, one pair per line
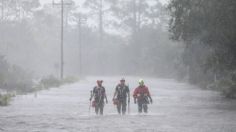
122, 91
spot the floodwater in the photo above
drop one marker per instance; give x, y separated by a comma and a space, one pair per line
177, 107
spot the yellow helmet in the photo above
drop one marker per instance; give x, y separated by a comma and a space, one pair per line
141, 82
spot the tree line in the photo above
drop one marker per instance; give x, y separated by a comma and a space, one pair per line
208, 29
122, 37
125, 37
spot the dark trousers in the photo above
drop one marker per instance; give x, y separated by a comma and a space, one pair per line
142, 107
99, 108
121, 106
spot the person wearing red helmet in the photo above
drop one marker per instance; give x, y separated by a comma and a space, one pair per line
120, 96
142, 96
99, 94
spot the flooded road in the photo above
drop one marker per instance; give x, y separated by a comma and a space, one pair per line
177, 107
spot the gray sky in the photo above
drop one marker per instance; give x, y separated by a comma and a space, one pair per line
81, 1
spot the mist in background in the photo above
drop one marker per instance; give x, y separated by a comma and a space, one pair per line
110, 38
187, 40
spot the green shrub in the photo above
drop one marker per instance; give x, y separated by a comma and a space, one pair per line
14, 78
228, 88
5, 99
226, 85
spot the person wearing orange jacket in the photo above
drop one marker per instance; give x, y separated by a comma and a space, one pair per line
142, 97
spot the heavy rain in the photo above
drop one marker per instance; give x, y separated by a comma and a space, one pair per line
117, 65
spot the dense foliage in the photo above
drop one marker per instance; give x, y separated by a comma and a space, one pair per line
208, 29
13, 78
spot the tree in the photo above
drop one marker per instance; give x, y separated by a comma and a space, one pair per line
98, 7
209, 24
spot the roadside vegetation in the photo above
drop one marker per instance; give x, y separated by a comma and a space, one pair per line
208, 30
14, 80
131, 37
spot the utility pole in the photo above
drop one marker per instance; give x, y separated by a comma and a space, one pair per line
101, 21
80, 22
80, 46
2, 8
62, 39
134, 17
62, 35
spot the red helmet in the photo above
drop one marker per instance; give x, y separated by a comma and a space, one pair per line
99, 81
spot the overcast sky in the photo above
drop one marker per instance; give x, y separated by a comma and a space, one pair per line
81, 1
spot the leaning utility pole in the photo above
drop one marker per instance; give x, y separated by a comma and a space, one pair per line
62, 36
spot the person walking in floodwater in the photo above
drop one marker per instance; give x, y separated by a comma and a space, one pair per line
120, 97
99, 95
142, 97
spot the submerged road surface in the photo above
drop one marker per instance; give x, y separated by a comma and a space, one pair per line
177, 107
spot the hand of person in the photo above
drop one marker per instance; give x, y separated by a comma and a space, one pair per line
151, 101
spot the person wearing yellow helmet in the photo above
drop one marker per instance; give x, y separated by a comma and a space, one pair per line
142, 96
141, 82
